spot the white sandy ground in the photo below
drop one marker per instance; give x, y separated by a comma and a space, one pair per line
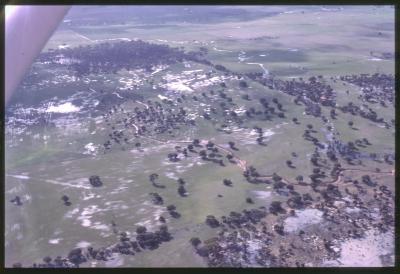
83, 244
91, 149
190, 80
262, 194
55, 241
303, 219
78, 183
214, 48
86, 215
63, 108
162, 97
116, 261
23, 177
261, 65
365, 252
375, 59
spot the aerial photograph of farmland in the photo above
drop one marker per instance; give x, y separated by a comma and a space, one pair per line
205, 136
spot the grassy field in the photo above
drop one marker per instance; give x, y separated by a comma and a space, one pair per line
288, 45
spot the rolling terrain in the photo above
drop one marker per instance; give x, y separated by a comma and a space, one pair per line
260, 137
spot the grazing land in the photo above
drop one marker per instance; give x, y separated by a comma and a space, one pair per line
205, 137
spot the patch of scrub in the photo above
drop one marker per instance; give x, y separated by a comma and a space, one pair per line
303, 219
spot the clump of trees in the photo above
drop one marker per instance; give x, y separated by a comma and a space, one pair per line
112, 57
182, 191
156, 198
172, 211
227, 182
243, 84
153, 177
212, 221
95, 181
66, 201
276, 208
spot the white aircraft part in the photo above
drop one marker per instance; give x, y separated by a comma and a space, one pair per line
27, 30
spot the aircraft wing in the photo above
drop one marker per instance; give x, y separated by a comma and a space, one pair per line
28, 28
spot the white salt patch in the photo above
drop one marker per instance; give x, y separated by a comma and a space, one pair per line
55, 241
171, 175
79, 183
83, 244
14, 190
214, 48
144, 223
86, 222
101, 227
268, 133
189, 72
304, 218
261, 65
90, 149
71, 213
162, 97
119, 96
119, 189
63, 108
115, 261
365, 252
88, 196
352, 210
16, 227
63, 46
23, 177
178, 86
375, 59
262, 194
240, 110
27, 197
